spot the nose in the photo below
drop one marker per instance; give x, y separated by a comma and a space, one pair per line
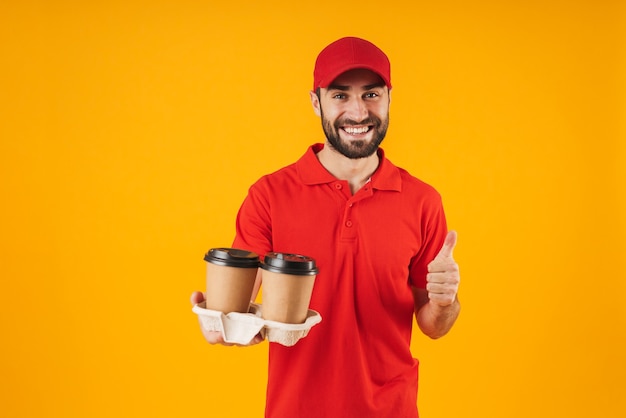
357, 109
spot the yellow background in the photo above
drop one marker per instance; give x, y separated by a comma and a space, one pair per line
131, 130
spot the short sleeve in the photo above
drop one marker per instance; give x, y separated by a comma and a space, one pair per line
434, 231
254, 224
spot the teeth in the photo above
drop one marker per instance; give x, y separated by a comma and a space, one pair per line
355, 131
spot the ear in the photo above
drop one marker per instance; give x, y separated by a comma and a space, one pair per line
315, 102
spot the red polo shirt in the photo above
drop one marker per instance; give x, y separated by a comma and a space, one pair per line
369, 248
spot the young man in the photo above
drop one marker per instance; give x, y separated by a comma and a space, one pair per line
379, 238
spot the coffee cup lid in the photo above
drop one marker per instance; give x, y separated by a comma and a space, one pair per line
232, 257
300, 265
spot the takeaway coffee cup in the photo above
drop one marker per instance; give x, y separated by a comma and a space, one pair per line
287, 286
230, 276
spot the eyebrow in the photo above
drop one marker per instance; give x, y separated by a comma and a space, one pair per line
346, 88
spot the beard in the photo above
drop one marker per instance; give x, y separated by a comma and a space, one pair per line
355, 149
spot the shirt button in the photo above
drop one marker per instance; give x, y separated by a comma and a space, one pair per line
338, 186
349, 224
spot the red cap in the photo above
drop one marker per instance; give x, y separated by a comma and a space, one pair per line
348, 54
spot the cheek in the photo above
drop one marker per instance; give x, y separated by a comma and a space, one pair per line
330, 112
379, 109
329, 116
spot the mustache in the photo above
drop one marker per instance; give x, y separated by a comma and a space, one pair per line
350, 122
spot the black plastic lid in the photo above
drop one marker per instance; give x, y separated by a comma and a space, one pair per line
232, 257
297, 264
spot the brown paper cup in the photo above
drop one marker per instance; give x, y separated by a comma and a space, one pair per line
287, 285
230, 277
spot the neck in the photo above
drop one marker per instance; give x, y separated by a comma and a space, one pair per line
355, 171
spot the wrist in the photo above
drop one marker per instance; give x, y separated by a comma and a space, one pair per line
439, 308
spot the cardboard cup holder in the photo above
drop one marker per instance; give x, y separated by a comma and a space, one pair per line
240, 328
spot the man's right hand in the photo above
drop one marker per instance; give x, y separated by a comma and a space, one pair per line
216, 337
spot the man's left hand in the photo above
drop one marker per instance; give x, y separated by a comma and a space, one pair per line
443, 274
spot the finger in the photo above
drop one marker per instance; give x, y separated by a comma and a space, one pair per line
216, 337
197, 297
442, 299
448, 245
444, 277
447, 289
441, 288
442, 265
257, 339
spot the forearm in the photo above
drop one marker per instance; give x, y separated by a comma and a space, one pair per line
434, 320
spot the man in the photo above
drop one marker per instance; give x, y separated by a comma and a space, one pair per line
379, 238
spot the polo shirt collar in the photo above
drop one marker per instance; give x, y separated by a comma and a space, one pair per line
311, 171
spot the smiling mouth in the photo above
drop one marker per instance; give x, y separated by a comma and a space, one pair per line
352, 130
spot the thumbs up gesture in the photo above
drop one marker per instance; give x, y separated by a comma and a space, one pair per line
443, 274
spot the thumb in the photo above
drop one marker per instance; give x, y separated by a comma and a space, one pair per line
196, 297
448, 245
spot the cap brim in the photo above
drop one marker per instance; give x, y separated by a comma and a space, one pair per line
327, 81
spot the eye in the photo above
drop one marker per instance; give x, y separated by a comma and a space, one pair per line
370, 95
339, 96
